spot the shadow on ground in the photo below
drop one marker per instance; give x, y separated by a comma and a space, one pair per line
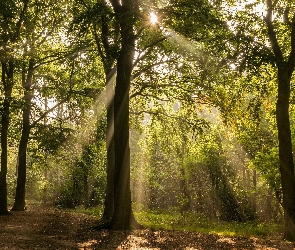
49, 228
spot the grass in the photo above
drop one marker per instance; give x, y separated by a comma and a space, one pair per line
189, 221
193, 222
95, 212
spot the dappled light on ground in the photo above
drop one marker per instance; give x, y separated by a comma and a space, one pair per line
48, 228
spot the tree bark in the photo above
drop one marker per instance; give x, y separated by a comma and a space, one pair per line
7, 81
107, 58
109, 198
19, 203
285, 153
285, 71
123, 218
122, 193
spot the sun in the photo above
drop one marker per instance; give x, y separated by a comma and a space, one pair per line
153, 18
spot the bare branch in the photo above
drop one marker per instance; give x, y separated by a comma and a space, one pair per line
61, 102
84, 4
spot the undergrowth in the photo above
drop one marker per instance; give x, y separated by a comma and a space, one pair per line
194, 222
95, 212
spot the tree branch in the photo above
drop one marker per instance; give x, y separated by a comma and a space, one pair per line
116, 5
158, 113
145, 69
150, 46
53, 25
271, 32
291, 61
286, 15
97, 41
149, 95
47, 112
19, 22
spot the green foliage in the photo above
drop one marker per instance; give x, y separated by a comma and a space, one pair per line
50, 137
85, 184
267, 162
202, 104
194, 222
94, 212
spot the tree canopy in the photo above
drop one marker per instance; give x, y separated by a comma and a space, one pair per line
191, 111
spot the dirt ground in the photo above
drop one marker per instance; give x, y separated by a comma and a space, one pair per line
48, 228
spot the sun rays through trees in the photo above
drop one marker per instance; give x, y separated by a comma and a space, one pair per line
157, 107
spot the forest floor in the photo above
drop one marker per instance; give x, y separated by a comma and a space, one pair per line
49, 228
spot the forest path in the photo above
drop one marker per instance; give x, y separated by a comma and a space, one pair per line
49, 228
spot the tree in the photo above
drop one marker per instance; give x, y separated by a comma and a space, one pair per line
249, 49
123, 218
105, 33
19, 204
12, 18
37, 40
285, 63
7, 80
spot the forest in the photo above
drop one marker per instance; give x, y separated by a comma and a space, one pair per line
149, 115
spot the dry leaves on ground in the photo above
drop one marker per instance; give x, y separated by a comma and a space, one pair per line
49, 228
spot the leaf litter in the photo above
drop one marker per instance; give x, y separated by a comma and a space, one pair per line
50, 228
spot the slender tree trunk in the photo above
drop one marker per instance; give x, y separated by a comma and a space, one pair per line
254, 200
285, 71
85, 189
186, 202
7, 81
285, 152
19, 203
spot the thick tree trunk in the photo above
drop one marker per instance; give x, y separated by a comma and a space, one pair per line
7, 81
123, 217
109, 198
122, 202
19, 203
285, 152
107, 58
